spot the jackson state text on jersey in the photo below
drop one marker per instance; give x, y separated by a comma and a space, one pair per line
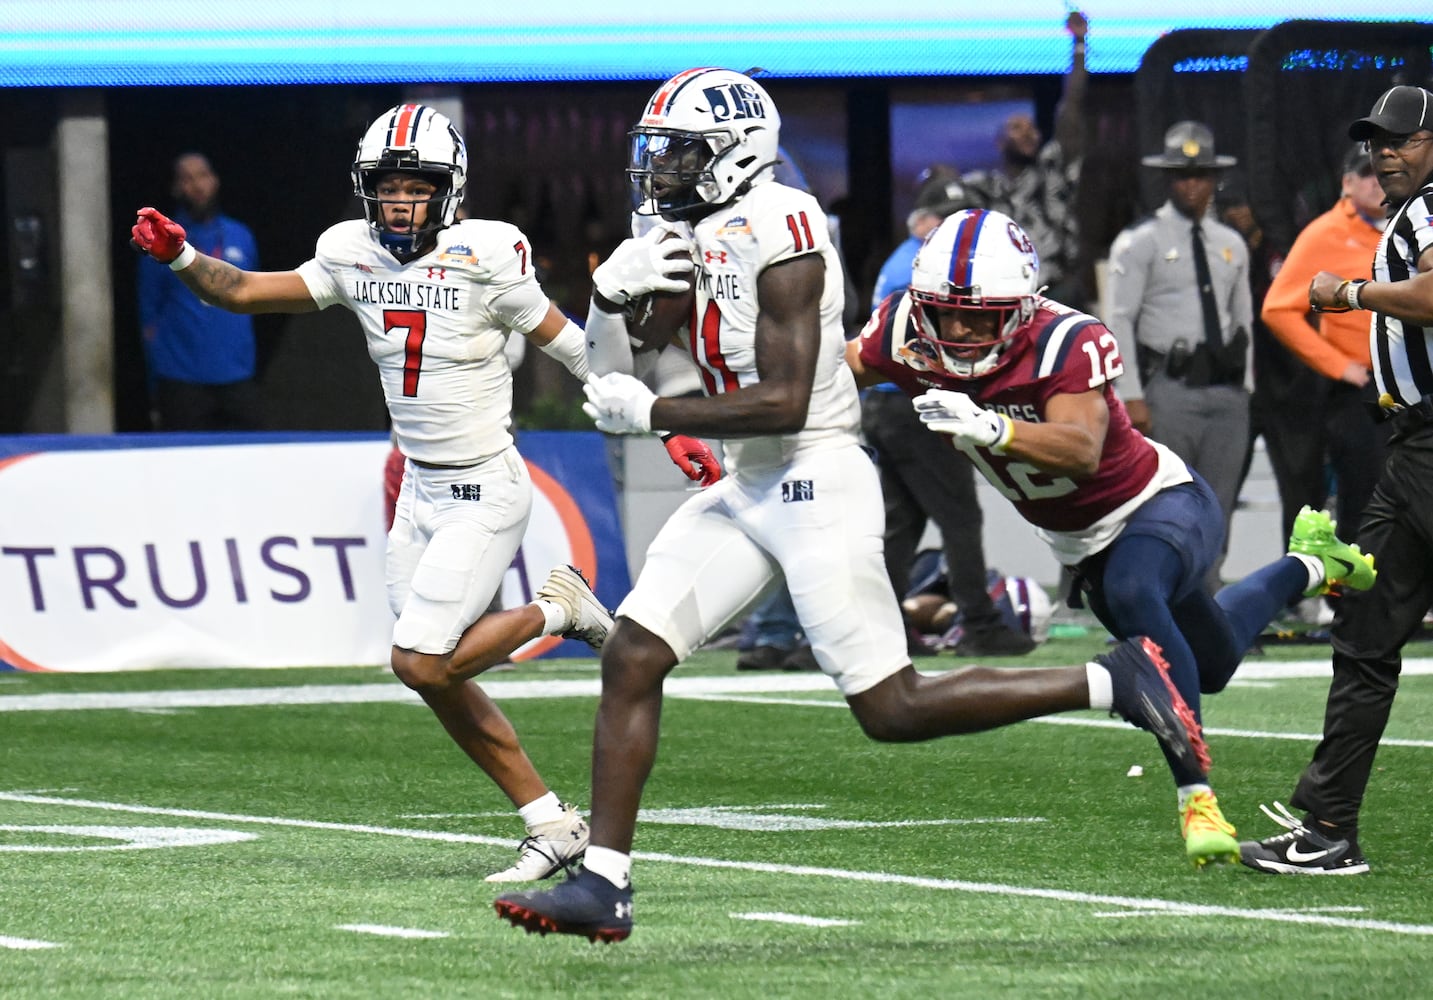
1059, 352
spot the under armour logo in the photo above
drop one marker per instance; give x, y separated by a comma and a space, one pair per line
623, 911
714, 256
438, 274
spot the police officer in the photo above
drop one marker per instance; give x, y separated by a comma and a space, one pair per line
1371, 627
1180, 308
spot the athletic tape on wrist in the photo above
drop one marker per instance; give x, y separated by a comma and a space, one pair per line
185, 258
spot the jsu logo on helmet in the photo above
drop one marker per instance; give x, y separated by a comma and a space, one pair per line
731, 101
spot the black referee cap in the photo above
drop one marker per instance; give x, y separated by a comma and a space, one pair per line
1401, 110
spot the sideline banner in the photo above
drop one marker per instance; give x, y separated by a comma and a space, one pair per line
257, 550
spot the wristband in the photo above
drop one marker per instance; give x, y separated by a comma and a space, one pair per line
185, 258
1350, 294
1006, 437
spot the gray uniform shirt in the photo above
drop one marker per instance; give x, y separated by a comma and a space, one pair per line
1154, 295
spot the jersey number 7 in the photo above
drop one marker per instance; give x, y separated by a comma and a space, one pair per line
414, 324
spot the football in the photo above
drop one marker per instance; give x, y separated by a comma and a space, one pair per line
655, 318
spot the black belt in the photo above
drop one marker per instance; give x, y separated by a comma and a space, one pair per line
1200, 365
1410, 418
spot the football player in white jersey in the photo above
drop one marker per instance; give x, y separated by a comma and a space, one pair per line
437, 299
801, 498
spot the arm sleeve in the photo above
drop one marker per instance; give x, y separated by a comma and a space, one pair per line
608, 347
569, 347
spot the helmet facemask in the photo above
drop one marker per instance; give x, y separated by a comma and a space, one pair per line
405, 245
968, 358
671, 172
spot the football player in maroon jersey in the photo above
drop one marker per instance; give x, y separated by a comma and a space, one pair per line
1022, 384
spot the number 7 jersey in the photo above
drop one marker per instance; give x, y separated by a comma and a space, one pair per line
1058, 352
435, 328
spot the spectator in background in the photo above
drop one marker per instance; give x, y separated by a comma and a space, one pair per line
1285, 403
1180, 305
200, 359
1333, 346
1035, 185
923, 478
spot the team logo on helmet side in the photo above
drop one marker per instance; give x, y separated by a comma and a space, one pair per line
735, 100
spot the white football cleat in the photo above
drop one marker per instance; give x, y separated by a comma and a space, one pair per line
586, 618
548, 849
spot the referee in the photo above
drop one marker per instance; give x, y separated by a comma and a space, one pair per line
1371, 627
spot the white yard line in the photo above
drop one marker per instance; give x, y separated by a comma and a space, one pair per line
794, 918
395, 932
1104, 902
26, 944
760, 689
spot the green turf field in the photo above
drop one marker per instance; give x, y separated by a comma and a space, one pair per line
312, 833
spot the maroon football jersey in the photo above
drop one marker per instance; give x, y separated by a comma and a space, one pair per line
1059, 352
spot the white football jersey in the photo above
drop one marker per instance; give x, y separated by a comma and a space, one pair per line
769, 224
436, 327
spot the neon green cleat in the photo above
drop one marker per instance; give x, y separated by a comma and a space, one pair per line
1208, 836
1344, 565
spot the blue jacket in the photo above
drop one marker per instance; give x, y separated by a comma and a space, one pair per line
184, 339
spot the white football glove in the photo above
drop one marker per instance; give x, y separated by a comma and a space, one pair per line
964, 419
619, 404
641, 264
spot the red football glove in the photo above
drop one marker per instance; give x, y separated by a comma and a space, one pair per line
694, 457
157, 235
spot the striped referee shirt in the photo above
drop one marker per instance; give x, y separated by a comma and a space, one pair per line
1402, 352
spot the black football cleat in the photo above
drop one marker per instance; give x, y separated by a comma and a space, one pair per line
586, 904
1144, 696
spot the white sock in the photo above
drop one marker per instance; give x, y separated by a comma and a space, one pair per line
1102, 686
614, 866
1315, 566
1185, 791
554, 619
539, 811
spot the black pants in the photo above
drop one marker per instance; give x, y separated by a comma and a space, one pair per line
191, 406
1370, 630
1326, 426
924, 477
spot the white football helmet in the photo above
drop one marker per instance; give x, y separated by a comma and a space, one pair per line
975, 260
412, 137
706, 136
1023, 604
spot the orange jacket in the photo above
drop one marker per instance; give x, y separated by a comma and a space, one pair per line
1340, 241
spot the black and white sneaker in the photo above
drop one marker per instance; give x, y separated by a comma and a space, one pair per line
1301, 850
